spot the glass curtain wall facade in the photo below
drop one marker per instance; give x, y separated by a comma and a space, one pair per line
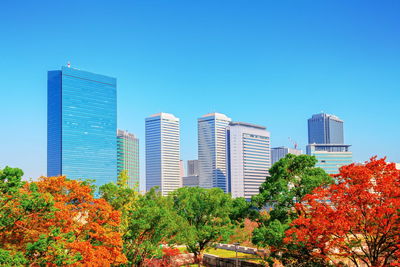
249, 158
212, 151
82, 119
128, 157
163, 153
325, 129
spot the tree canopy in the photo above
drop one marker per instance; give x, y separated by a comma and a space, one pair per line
290, 179
357, 218
207, 215
152, 222
56, 221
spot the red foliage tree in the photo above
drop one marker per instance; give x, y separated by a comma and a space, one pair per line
357, 218
75, 229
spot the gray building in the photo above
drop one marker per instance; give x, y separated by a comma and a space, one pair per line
280, 152
190, 181
325, 129
192, 167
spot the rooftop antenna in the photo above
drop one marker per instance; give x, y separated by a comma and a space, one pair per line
294, 142
69, 64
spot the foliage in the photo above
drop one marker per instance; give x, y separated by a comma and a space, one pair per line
166, 259
206, 212
290, 179
152, 222
243, 233
120, 197
357, 218
56, 221
241, 210
8, 258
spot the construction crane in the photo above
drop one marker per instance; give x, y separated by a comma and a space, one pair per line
293, 142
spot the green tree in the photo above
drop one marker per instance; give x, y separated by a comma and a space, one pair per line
290, 179
8, 258
152, 222
120, 197
206, 213
10, 183
241, 210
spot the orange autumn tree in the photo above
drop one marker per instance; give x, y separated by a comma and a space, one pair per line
75, 229
357, 218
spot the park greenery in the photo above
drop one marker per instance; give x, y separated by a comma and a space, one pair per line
301, 217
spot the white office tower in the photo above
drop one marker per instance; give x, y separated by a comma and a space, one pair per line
212, 150
249, 158
163, 153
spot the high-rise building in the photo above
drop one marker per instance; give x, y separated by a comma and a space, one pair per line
325, 129
163, 153
331, 157
326, 142
249, 158
81, 125
212, 150
280, 152
128, 157
192, 167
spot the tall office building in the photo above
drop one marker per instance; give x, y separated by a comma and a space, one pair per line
249, 158
192, 167
212, 150
81, 125
326, 142
280, 152
163, 153
128, 157
325, 129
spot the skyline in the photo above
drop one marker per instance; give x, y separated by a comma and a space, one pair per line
190, 59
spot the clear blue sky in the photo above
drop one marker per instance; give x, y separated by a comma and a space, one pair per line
272, 63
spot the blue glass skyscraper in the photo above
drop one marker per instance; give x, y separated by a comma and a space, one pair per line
325, 129
82, 125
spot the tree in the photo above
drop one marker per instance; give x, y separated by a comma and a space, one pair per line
152, 222
18, 206
206, 213
57, 221
357, 218
243, 233
167, 258
120, 197
242, 210
290, 179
